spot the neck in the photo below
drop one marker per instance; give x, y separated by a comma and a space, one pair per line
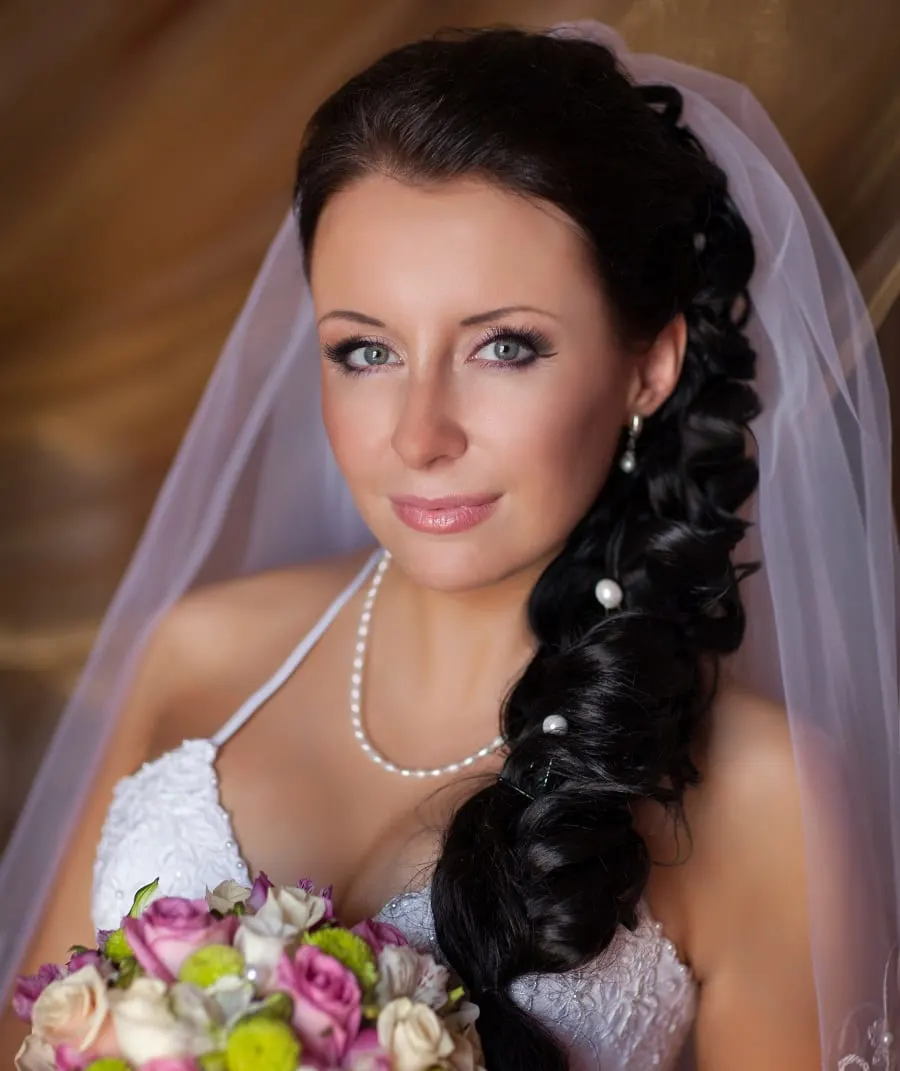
461, 645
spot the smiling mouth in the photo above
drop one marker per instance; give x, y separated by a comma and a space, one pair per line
444, 516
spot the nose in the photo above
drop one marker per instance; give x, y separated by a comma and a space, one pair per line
427, 431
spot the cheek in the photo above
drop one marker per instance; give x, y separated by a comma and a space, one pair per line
562, 447
358, 424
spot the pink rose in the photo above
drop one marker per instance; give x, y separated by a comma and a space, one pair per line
30, 986
259, 892
171, 929
327, 998
365, 1054
169, 1063
378, 934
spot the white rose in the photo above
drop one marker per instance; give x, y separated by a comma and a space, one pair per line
300, 908
226, 896
72, 1010
413, 1035
191, 1006
233, 998
262, 938
147, 1028
35, 1054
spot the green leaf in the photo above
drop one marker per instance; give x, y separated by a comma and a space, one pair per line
277, 1006
141, 898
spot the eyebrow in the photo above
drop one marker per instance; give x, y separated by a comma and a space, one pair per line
469, 321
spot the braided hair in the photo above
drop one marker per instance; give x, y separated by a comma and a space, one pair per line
537, 873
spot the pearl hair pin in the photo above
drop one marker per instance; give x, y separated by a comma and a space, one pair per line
609, 594
555, 725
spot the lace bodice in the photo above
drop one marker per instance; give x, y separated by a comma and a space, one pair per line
632, 1008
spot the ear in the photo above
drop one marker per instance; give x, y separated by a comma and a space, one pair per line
657, 369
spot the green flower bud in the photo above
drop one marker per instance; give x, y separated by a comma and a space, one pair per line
262, 1044
117, 948
207, 965
109, 1064
350, 950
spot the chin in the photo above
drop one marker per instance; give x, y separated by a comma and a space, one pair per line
458, 563
450, 563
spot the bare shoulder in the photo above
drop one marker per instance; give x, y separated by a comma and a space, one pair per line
229, 631
749, 765
275, 601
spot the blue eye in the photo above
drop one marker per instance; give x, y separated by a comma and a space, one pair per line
360, 355
370, 356
505, 349
514, 348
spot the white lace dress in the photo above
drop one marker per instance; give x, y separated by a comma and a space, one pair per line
632, 1008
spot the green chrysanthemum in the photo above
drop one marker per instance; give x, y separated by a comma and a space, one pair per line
207, 965
348, 949
117, 947
262, 1044
108, 1064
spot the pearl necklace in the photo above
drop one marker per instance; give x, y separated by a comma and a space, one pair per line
362, 634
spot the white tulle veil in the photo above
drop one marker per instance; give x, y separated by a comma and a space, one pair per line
255, 486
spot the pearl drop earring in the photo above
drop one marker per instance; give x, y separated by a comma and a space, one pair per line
628, 460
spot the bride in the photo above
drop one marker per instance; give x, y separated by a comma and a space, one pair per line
547, 301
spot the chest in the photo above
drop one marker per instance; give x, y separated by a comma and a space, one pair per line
304, 800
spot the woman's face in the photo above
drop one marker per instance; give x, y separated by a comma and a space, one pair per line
473, 389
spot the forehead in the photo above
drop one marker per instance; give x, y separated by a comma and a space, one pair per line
385, 239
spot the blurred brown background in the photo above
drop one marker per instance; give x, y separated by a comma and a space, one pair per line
147, 153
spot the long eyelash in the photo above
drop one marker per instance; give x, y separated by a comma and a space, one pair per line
338, 352
535, 340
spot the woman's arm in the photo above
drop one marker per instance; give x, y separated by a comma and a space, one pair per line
67, 916
750, 928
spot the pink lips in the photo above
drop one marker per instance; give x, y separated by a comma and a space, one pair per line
444, 516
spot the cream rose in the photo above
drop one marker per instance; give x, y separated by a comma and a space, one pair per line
226, 896
413, 1035
72, 1011
147, 1028
300, 908
35, 1054
262, 938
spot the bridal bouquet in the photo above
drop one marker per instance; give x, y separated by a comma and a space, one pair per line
260, 979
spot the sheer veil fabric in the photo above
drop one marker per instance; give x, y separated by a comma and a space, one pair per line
254, 486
